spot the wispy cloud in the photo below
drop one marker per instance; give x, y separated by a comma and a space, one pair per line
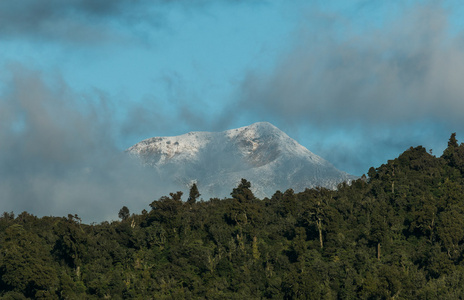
74, 20
89, 21
58, 153
384, 82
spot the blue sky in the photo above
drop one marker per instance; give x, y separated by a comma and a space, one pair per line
356, 82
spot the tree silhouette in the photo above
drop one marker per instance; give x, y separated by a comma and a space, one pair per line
194, 194
124, 213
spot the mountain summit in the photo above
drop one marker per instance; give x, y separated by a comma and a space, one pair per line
217, 161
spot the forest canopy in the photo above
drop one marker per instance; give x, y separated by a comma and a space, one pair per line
396, 233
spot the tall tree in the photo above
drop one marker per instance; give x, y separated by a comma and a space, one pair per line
243, 192
124, 213
193, 194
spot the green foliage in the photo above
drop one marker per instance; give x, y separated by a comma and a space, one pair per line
243, 192
398, 233
194, 194
124, 213
25, 264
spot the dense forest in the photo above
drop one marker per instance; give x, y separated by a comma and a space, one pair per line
397, 233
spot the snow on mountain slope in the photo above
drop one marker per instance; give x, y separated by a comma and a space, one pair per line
217, 161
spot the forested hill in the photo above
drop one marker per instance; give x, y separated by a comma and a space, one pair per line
399, 233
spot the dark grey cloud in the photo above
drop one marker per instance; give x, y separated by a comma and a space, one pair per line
73, 20
395, 83
59, 154
88, 21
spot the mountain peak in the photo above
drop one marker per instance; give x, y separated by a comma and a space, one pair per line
258, 128
263, 126
260, 152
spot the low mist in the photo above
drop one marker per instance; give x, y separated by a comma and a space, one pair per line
59, 154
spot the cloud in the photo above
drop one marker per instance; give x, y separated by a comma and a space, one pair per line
88, 21
58, 153
385, 82
411, 70
80, 21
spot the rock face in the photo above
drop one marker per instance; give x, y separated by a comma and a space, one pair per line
216, 161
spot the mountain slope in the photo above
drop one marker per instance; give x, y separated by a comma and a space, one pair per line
261, 153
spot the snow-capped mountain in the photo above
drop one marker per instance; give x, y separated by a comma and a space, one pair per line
216, 161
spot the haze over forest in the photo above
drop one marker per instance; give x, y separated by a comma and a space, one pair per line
356, 82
